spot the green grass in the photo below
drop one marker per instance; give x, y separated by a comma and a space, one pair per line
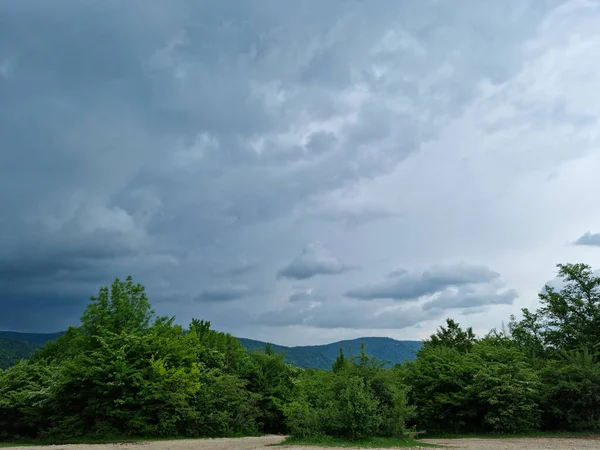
367, 443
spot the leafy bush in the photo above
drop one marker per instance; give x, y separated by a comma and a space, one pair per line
359, 399
507, 389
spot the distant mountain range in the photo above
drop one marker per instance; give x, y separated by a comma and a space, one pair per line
15, 346
322, 356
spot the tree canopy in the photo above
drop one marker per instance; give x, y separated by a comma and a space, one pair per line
124, 371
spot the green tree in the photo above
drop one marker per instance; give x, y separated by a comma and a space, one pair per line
439, 381
340, 362
452, 336
506, 387
569, 318
572, 392
272, 380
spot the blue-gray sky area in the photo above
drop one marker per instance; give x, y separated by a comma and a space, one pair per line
299, 172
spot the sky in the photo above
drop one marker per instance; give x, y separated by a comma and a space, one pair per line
298, 172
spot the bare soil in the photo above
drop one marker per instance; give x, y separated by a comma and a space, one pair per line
538, 443
253, 443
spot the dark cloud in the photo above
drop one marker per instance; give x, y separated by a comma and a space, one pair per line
244, 267
223, 293
402, 285
314, 260
352, 218
171, 141
589, 239
306, 295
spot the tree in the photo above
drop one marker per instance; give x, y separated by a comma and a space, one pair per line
453, 336
439, 380
122, 309
572, 392
340, 362
506, 387
570, 318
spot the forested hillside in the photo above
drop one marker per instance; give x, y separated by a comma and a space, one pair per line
37, 339
126, 372
322, 356
388, 350
12, 350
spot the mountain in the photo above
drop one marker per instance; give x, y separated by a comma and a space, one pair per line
14, 346
12, 350
322, 356
37, 339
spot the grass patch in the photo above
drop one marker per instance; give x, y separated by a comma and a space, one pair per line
366, 443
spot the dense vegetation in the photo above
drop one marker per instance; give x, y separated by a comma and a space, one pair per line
385, 349
309, 356
12, 350
126, 372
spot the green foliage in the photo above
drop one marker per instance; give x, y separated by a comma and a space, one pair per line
126, 372
359, 399
323, 356
13, 350
506, 387
484, 386
452, 337
26, 393
439, 381
225, 406
572, 392
340, 363
313, 356
272, 381
568, 319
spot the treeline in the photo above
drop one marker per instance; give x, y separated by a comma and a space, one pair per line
126, 372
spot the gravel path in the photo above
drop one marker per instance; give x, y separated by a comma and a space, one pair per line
253, 443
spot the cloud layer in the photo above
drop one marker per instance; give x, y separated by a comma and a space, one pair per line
589, 239
314, 260
199, 146
402, 285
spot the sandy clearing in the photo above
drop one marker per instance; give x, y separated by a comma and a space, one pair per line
519, 443
252, 443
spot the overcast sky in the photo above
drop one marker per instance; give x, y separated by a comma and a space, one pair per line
299, 172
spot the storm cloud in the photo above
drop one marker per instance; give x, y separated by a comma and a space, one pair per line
314, 260
402, 285
222, 153
589, 239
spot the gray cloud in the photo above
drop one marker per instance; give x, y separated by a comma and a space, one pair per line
223, 293
184, 143
589, 239
314, 260
241, 268
401, 285
355, 217
306, 295
349, 315
468, 300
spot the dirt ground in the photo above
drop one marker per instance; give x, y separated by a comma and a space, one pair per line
519, 444
261, 442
